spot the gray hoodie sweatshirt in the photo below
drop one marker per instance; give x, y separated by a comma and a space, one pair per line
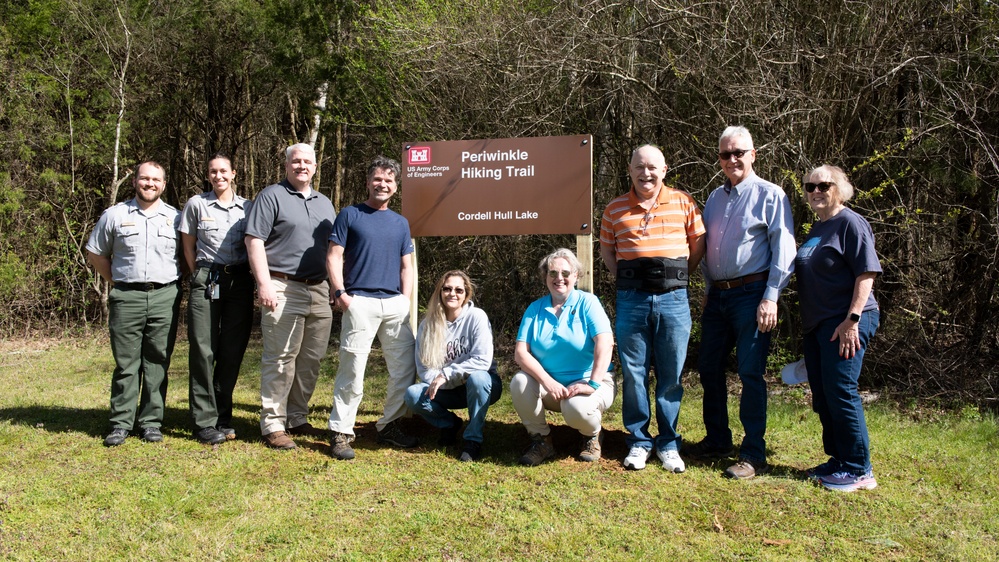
469, 348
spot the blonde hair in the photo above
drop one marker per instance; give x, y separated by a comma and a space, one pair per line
433, 337
843, 186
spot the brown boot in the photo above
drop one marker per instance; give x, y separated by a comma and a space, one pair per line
279, 440
541, 449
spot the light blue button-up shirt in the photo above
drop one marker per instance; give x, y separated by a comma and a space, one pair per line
749, 230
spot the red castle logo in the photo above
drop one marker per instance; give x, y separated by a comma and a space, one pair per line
419, 155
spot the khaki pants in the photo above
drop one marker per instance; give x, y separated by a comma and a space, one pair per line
295, 336
581, 412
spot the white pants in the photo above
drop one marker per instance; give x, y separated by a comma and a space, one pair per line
295, 337
581, 412
366, 318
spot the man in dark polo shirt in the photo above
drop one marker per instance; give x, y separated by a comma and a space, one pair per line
286, 235
134, 247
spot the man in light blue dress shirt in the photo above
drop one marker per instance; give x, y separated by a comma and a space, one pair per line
748, 260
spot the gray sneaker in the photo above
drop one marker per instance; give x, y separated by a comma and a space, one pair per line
591, 449
541, 449
340, 446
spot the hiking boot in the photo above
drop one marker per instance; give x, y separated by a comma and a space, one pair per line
449, 435
306, 429
393, 435
470, 451
828, 468
116, 437
849, 482
592, 448
151, 434
539, 451
705, 449
279, 440
340, 446
671, 460
746, 469
209, 436
636, 458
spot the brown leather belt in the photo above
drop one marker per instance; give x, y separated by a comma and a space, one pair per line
738, 282
286, 277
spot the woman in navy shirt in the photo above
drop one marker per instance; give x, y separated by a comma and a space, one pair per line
836, 266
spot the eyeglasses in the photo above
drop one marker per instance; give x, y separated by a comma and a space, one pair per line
455, 290
822, 186
728, 154
554, 274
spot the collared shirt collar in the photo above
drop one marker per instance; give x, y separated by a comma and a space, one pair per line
158, 209
212, 198
291, 189
634, 201
749, 180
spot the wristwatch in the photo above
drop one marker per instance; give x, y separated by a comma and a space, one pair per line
854, 317
593, 384
337, 293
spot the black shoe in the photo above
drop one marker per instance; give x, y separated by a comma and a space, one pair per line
307, 430
470, 451
116, 437
704, 449
151, 434
449, 435
393, 435
209, 436
227, 431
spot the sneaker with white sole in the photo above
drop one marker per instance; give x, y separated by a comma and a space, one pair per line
849, 482
671, 460
636, 458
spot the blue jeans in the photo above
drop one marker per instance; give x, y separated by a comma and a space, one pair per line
481, 390
729, 320
835, 397
652, 329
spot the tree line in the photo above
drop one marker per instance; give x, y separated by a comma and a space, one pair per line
902, 95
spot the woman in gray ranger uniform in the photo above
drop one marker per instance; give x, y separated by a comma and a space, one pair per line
220, 307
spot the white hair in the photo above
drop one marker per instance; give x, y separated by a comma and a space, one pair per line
735, 131
300, 147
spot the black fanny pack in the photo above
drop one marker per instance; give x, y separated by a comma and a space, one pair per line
655, 275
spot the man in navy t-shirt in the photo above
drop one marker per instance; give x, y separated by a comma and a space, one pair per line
370, 264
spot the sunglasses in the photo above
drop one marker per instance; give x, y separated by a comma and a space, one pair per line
728, 154
821, 186
455, 290
554, 274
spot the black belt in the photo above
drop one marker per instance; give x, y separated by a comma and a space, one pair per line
142, 286
228, 269
740, 281
285, 276
654, 275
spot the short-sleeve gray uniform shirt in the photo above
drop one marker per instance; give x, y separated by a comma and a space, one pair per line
142, 245
219, 228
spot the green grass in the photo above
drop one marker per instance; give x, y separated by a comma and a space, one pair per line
65, 496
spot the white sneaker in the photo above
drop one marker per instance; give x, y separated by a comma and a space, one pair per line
636, 458
671, 460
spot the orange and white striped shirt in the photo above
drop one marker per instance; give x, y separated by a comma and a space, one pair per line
667, 230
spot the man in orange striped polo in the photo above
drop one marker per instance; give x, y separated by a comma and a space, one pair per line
650, 238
